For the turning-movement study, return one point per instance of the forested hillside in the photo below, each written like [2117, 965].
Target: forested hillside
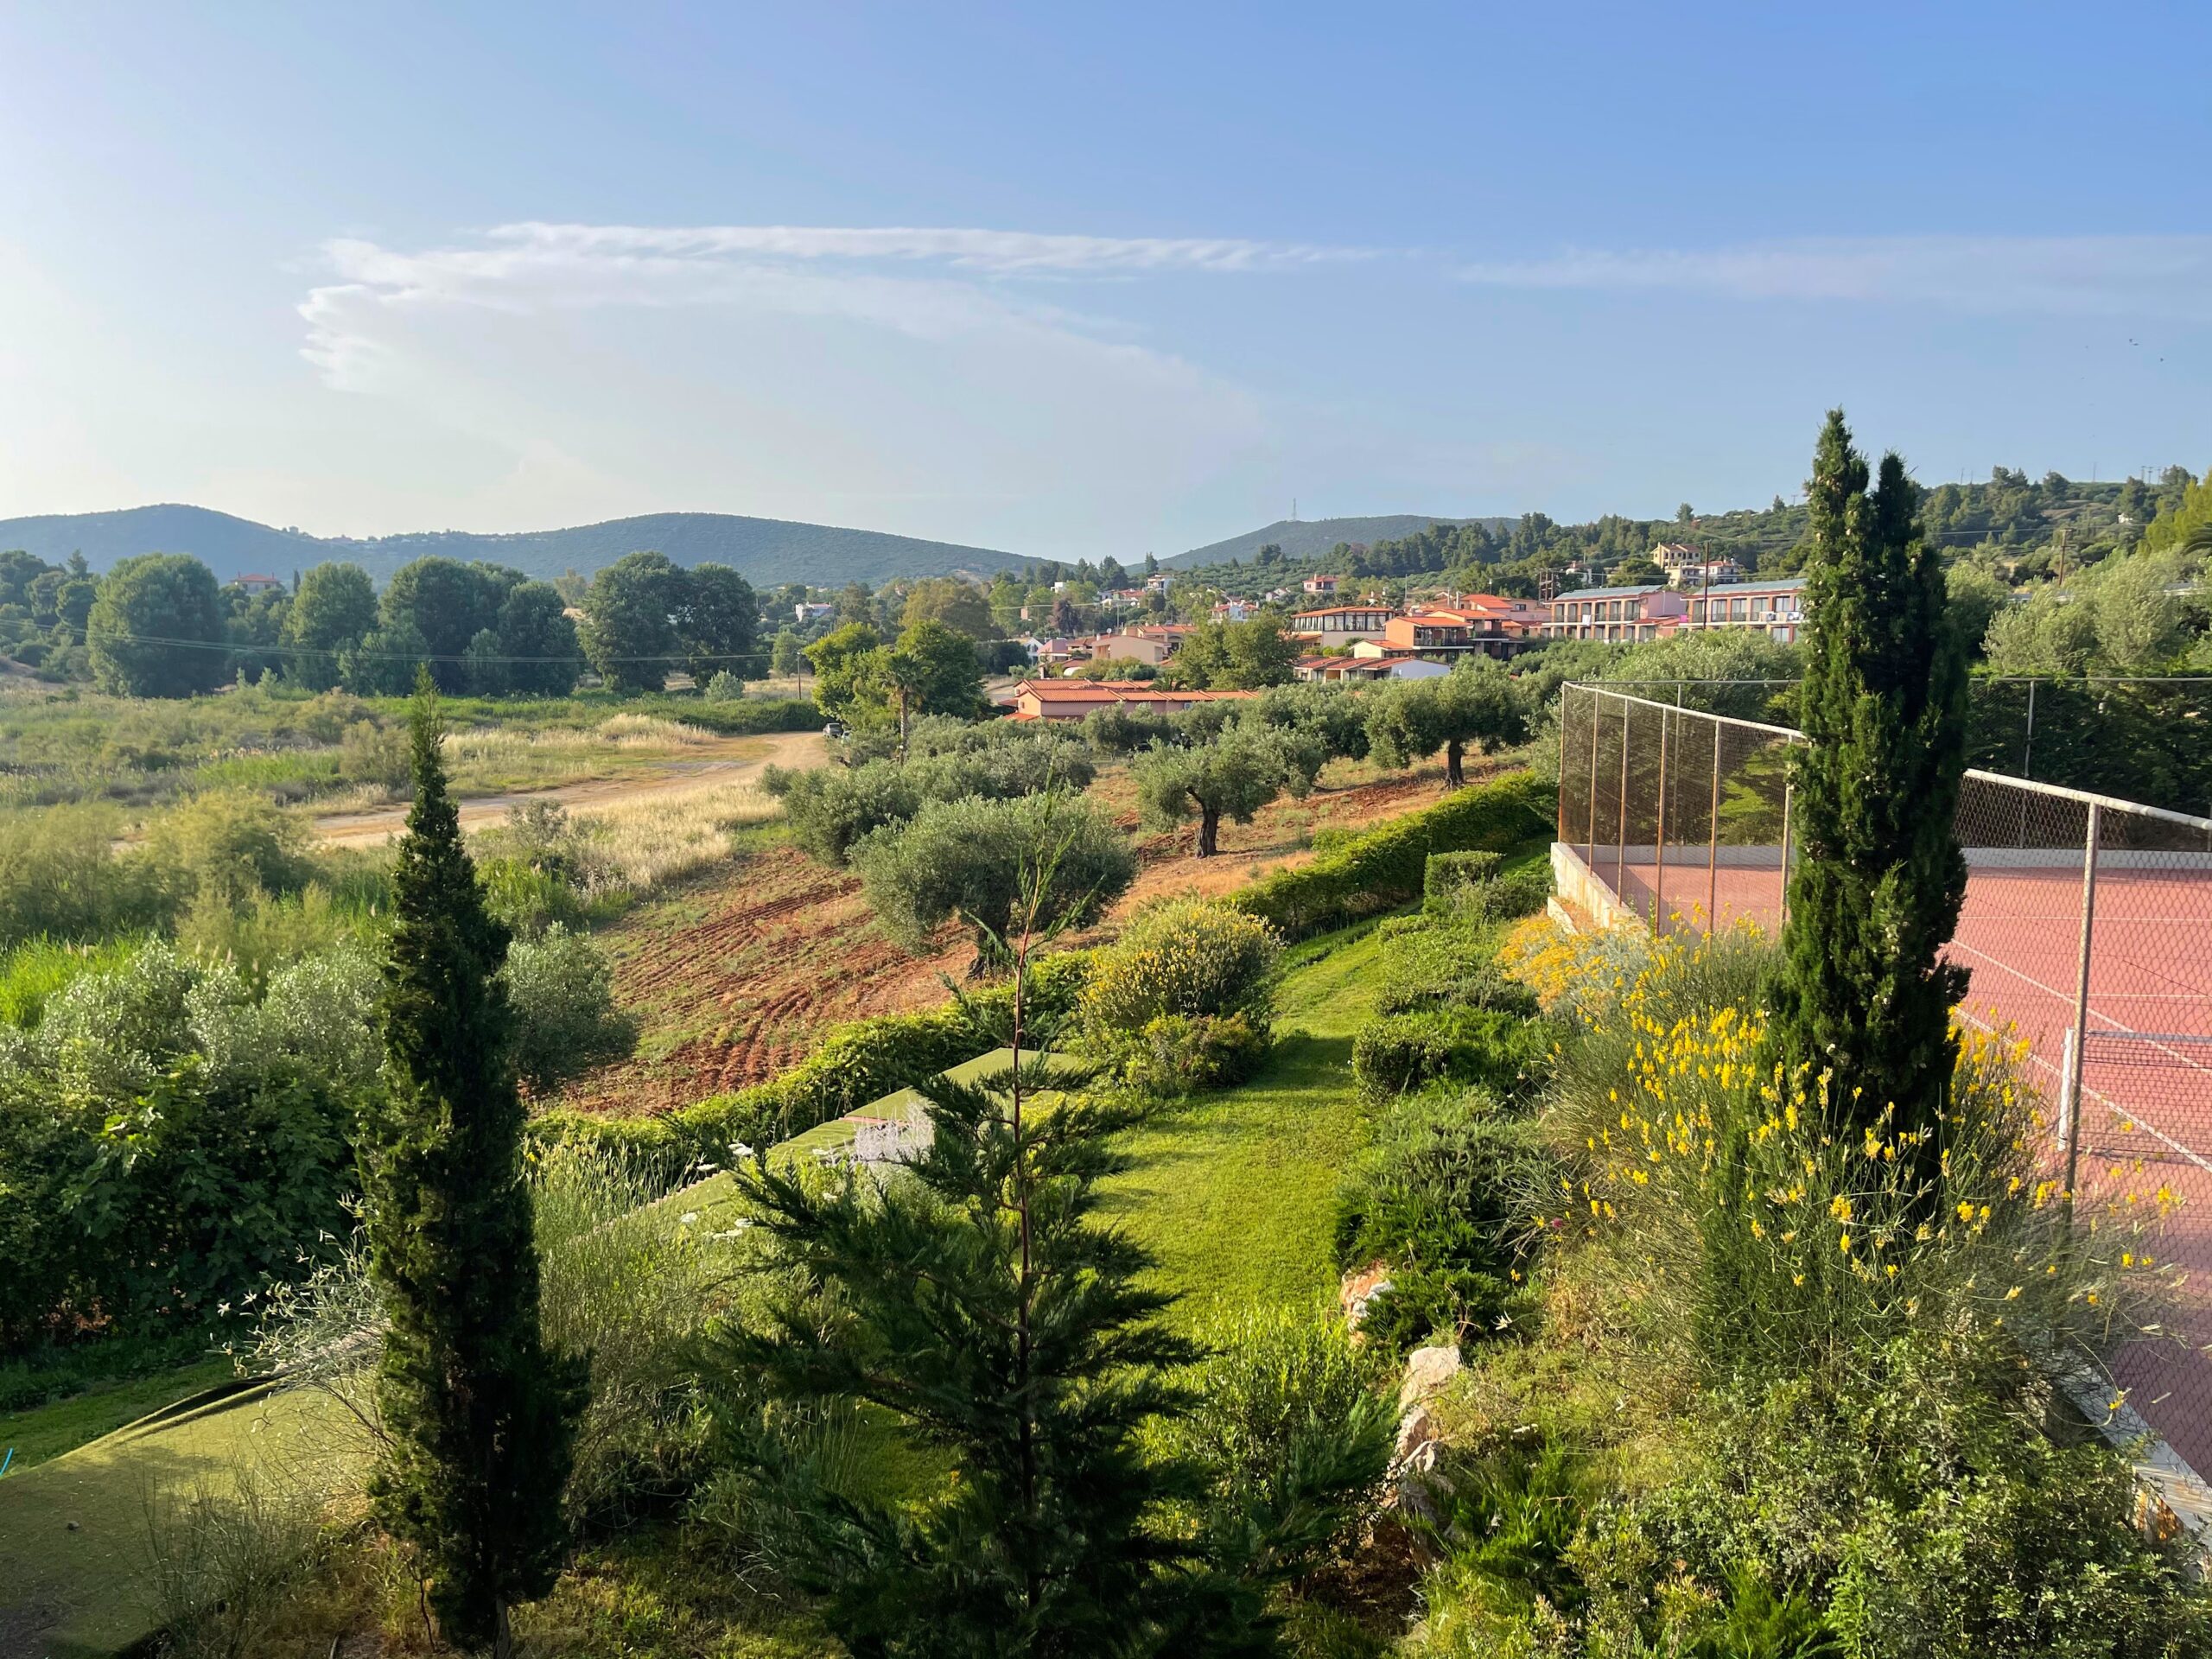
[764, 551]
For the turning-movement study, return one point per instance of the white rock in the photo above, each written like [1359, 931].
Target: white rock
[1427, 1372]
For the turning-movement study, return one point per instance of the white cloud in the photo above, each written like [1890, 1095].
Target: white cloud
[925, 380]
[2103, 276]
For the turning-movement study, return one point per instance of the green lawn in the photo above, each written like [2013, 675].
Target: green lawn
[1234, 1191]
[48, 1430]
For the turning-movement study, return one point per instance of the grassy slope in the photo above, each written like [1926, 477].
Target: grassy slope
[1234, 1191]
[48, 1430]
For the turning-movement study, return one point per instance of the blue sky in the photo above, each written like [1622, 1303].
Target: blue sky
[1084, 281]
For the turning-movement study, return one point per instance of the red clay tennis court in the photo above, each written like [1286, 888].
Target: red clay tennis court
[1678, 817]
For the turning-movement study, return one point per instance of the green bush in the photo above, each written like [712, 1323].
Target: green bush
[753, 718]
[831, 808]
[1175, 1054]
[529, 898]
[561, 991]
[1451, 1194]
[227, 843]
[1446, 962]
[1500, 1051]
[60, 878]
[1922, 1518]
[972, 861]
[1386, 867]
[1448, 875]
[1187, 957]
[1289, 1413]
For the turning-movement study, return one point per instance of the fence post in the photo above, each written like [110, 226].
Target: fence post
[1789, 798]
[1659, 842]
[2070, 1095]
[1620, 841]
[1597, 720]
[1712, 855]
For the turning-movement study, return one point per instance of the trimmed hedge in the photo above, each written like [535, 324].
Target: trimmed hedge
[1499, 1051]
[1448, 873]
[851, 1065]
[1386, 867]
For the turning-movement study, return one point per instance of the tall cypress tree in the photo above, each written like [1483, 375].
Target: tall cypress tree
[479, 1417]
[1875, 893]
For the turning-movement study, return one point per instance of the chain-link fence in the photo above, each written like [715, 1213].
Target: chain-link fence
[2086, 928]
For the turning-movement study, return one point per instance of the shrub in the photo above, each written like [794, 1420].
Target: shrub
[1446, 963]
[1840, 1244]
[1400, 1053]
[965, 859]
[529, 898]
[725, 687]
[374, 755]
[830, 808]
[1451, 1194]
[629, 1283]
[1281, 1397]
[1174, 1053]
[1448, 875]
[754, 716]
[62, 878]
[1922, 1518]
[562, 993]
[1385, 867]
[230, 842]
[1187, 957]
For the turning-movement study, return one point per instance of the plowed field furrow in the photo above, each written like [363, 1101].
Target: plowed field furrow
[735, 975]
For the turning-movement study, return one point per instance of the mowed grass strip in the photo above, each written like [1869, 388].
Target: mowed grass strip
[1235, 1192]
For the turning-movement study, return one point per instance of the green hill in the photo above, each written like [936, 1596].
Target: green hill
[767, 550]
[1306, 538]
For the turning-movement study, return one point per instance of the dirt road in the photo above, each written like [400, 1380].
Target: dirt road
[733, 760]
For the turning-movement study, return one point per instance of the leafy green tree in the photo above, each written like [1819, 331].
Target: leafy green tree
[333, 610]
[386, 662]
[539, 641]
[961, 606]
[1639, 572]
[1976, 596]
[967, 860]
[855, 604]
[483, 665]
[1235, 656]
[478, 1416]
[1233, 777]
[155, 629]
[783, 655]
[630, 628]
[1864, 998]
[930, 670]
[1477, 702]
[844, 661]
[2139, 623]
[717, 623]
[448, 603]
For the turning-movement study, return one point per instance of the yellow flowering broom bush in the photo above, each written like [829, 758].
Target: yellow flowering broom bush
[1749, 1226]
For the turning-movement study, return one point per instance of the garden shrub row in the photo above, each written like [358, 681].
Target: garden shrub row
[1496, 1049]
[851, 1065]
[1365, 875]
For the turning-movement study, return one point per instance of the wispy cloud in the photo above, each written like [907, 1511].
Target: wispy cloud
[932, 283]
[803, 370]
[2103, 276]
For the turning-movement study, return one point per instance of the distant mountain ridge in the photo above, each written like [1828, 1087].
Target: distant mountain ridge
[1304, 539]
[768, 551]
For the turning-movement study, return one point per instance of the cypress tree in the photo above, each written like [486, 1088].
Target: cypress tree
[1874, 894]
[477, 1417]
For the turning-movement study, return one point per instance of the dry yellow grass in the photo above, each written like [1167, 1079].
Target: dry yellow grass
[641, 843]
